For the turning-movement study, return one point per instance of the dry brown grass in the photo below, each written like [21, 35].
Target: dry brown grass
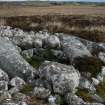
[35, 101]
[84, 21]
[90, 28]
[8, 11]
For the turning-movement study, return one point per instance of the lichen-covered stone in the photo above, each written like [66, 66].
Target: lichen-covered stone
[17, 82]
[62, 78]
[27, 54]
[41, 92]
[73, 47]
[53, 41]
[12, 62]
[3, 76]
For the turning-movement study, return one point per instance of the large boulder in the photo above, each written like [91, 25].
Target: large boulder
[73, 47]
[12, 62]
[60, 77]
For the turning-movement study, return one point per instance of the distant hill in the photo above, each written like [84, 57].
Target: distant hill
[29, 3]
[49, 3]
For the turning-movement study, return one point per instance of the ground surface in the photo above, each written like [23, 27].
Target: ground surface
[6, 11]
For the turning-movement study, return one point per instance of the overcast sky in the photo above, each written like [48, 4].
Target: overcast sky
[62, 0]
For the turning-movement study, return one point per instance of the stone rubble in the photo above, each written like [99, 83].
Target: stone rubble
[55, 77]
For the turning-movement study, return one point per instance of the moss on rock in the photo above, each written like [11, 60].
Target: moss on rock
[100, 89]
[84, 94]
[26, 89]
[35, 61]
